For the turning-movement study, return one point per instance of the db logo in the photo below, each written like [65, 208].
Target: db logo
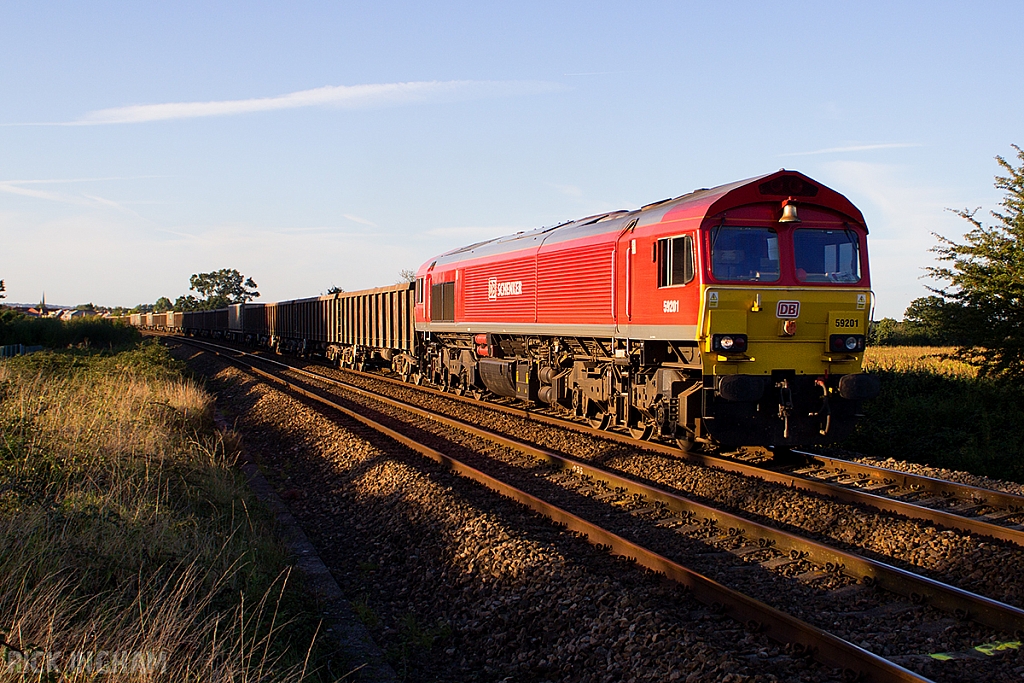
[497, 289]
[788, 309]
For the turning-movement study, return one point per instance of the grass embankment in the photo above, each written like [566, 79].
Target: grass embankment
[937, 411]
[88, 331]
[127, 536]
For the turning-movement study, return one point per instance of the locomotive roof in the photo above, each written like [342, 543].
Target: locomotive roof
[777, 185]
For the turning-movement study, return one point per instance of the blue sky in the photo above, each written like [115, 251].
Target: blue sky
[319, 144]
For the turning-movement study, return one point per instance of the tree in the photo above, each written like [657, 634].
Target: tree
[885, 332]
[162, 305]
[334, 289]
[218, 289]
[2, 290]
[983, 305]
[187, 303]
[406, 275]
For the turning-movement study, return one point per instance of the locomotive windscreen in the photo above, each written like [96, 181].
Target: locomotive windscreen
[826, 255]
[745, 254]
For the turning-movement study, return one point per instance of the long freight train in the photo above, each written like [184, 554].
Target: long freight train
[734, 315]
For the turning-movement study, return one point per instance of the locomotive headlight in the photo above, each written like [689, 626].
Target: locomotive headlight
[844, 342]
[729, 343]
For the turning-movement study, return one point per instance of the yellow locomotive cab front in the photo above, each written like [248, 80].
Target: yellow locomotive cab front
[784, 363]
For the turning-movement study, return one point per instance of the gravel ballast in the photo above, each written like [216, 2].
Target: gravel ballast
[903, 631]
[456, 583]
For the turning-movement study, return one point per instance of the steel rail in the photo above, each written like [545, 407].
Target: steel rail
[919, 589]
[856, 662]
[942, 518]
[919, 482]
[910, 509]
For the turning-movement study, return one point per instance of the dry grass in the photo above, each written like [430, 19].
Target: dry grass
[940, 360]
[128, 537]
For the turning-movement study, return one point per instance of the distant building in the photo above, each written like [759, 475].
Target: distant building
[69, 314]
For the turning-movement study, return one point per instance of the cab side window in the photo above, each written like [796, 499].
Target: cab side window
[675, 261]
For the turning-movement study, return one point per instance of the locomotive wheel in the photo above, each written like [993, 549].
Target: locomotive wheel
[595, 414]
[642, 431]
[578, 402]
[686, 442]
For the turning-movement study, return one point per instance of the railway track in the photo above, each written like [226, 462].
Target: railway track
[947, 504]
[993, 513]
[951, 505]
[754, 544]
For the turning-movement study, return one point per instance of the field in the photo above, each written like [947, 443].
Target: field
[936, 410]
[929, 359]
[132, 549]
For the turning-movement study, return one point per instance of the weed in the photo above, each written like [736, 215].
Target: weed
[415, 641]
[127, 532]
[366, 613]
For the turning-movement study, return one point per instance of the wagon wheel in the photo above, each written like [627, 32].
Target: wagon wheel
[461, 384]
[477, 394]
[417, 379]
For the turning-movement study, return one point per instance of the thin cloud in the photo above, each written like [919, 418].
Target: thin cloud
[12, 188]
[83, 199]
[338, 96]
[357, 219]
[102, 201]
[600, 73]
[853, 148]
[57, 181]
[476, 232]
[568, 190]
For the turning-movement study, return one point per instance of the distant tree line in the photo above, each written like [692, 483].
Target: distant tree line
[215, 289]
[218, 289]
[923, 324]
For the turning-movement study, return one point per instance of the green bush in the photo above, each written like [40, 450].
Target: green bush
[89, 331]
[957, 422]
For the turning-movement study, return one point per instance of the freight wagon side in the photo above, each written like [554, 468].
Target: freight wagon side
[373, 327]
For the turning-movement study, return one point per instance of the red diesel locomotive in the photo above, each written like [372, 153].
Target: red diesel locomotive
[734, 315]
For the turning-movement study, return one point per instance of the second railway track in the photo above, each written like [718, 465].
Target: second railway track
[827, 583]
[948, 504]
